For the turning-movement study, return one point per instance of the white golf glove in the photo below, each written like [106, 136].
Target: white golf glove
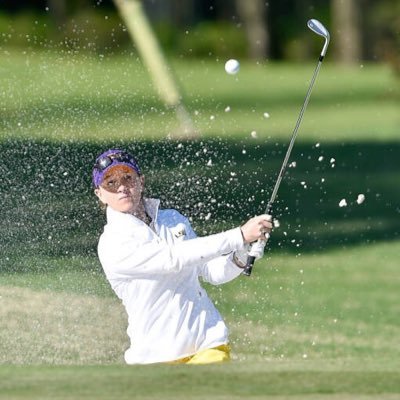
[256, 250]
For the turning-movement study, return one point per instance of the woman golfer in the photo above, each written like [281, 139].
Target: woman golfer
[153, 261]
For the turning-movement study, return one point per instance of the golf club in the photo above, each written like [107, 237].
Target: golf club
[319, 29]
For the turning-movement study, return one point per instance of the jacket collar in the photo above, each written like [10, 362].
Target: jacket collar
[151, 206]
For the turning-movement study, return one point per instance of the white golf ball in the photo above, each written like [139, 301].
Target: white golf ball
[232, 66]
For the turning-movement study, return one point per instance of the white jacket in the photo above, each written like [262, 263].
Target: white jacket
[154, 271]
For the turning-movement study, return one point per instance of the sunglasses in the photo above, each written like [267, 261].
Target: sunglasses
[113, 182]
[105, 161]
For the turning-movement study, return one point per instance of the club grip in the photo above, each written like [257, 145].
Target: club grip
[249, 265]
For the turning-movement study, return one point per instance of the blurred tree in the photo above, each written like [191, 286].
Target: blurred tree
[384, 20]
[346, 22]
[138, 25]
[253, 13]
[58, 11]
[205, 28]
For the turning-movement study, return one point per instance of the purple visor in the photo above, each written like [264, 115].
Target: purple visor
[111, 158]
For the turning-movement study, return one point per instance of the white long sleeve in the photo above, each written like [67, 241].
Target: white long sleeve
[220, 270]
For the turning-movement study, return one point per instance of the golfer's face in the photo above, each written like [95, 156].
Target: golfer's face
[121, 189]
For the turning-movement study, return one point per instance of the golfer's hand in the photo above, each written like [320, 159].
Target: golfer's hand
[256, 228]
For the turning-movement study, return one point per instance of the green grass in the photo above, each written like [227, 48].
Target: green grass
[255, 381]
[71, 97]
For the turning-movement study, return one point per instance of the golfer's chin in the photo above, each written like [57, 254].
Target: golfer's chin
[125, 206]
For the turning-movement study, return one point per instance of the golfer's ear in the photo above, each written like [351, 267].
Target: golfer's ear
[97, 192]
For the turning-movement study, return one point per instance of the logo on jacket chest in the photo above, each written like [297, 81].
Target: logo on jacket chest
[178, 231]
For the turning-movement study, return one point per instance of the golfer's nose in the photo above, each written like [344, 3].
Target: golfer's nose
[122, 188]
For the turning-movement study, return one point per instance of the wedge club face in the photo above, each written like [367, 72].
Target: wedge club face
[320, 30]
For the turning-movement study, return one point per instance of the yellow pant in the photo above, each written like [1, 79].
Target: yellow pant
[217, 354]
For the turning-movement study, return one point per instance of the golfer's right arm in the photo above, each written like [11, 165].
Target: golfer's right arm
[129, 257]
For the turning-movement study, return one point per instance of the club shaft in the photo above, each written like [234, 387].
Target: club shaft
[250, 259]
[292, 140]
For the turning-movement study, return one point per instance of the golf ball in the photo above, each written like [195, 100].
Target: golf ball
[232, 66]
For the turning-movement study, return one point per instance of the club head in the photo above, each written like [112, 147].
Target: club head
[319, 29]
